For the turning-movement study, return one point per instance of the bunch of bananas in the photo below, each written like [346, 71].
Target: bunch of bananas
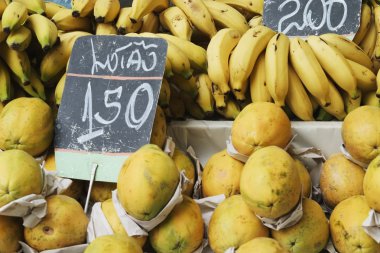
[220, 56]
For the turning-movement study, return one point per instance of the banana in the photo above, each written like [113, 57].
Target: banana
[142, 7]
[336, 107]
[33, 6]
[59, 89]
[226, 16]
[196, 54]
[230, 111]
[365, 78]
[218, 53]
[219, 97]
[105, 29]
[192, 108]
[205, 99]
[5, 83]
[29, 89]
[276, 66]
[14, 16]
[369, 41]
[244, 56]
[297, 98]
[3, 5]
[179, 62]
[106, 11]
[255, 21]
[44, 29]
[66, 22]
[371, 99]
[150, 23]
[55, 61]
[258, 88]
[124, 24]
[349, 49]
[334, 63]
[376, 11]
[313, 102]
[168, 69]
[37, 85]
[324, 116]
[82, 8]
[52, 8]
[164, 98]
[3, 35]
[18, 63]
[309, 70]
[176, 21]
[198, 15]
[351, 104]
[255, 6]
[176, 105]
[187, 86]
[365, 23]
[19, 39]
[378, 84]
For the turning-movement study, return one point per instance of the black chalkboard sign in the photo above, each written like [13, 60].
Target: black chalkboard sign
[312, 17]
[110, 98]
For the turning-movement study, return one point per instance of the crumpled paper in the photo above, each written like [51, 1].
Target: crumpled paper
[230, 250]
[54, 184]
[169, 146]
[285, 221]
[208, 206]
[244, 158]
[330, 247]
[98, 224]
[371, 225]
[349, 157]
[133, 226]
[197, 191]
[72, 249]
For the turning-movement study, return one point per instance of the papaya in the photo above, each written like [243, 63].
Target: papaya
[11, 232]
[101, 191]
[371, 184]
[304, 177]
[114, 244]
[262, 245]
[183, 163]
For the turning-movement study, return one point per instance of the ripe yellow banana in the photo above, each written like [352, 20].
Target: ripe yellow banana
[365, 78]
[106, 11]
[230, 111]
[335, 65]
[351, 104]
[33, 6]
[309, 70]
[54, 62]
[150, 23]
[368, 43]
[218, 53]
[44, 29]
[19, 39]
[244, 56]
[5, 83]
[276, 66]
[192, 108]
[18, 63]
[59, 89]
[186, 86]
[105, 29]
[14, 16]
[365, 23]
[37, 85]
[297, 98]
[219, 97]
[255, 21]
[378, 84]
[176, 21]
[142, 7]
[349, 49]
[336, 108]
[370, 98]
[124, 24]
[258, 88]
[179, 62]
[198, 15]
[52, 8]
[226, 16]
[376, 11]
[164, 98]
[176, 105]
[3, 5]
[255, 6]
[82, 8]
[66, 22]
[196, 54]
[168, 69]
[205, 99]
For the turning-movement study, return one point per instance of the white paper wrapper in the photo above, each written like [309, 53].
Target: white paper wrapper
[135, 226]
[285, 221]
[72, 249]
[330, 247]
[208, 206]
[55, 184]
[197, 191]
[98, 224]
[169, 146]
[349, 157]
[32, 208]
[230, 250]
[371, 225]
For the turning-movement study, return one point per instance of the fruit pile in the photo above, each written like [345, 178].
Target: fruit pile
[220, 58]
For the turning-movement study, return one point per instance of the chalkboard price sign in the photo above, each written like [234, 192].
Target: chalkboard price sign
[312, 17]
[109, 103]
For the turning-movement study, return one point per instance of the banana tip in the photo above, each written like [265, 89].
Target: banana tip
[134, 21]
[46, 48]
[99, 19]
[121, 30]
[6, 29]
[76, 14]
